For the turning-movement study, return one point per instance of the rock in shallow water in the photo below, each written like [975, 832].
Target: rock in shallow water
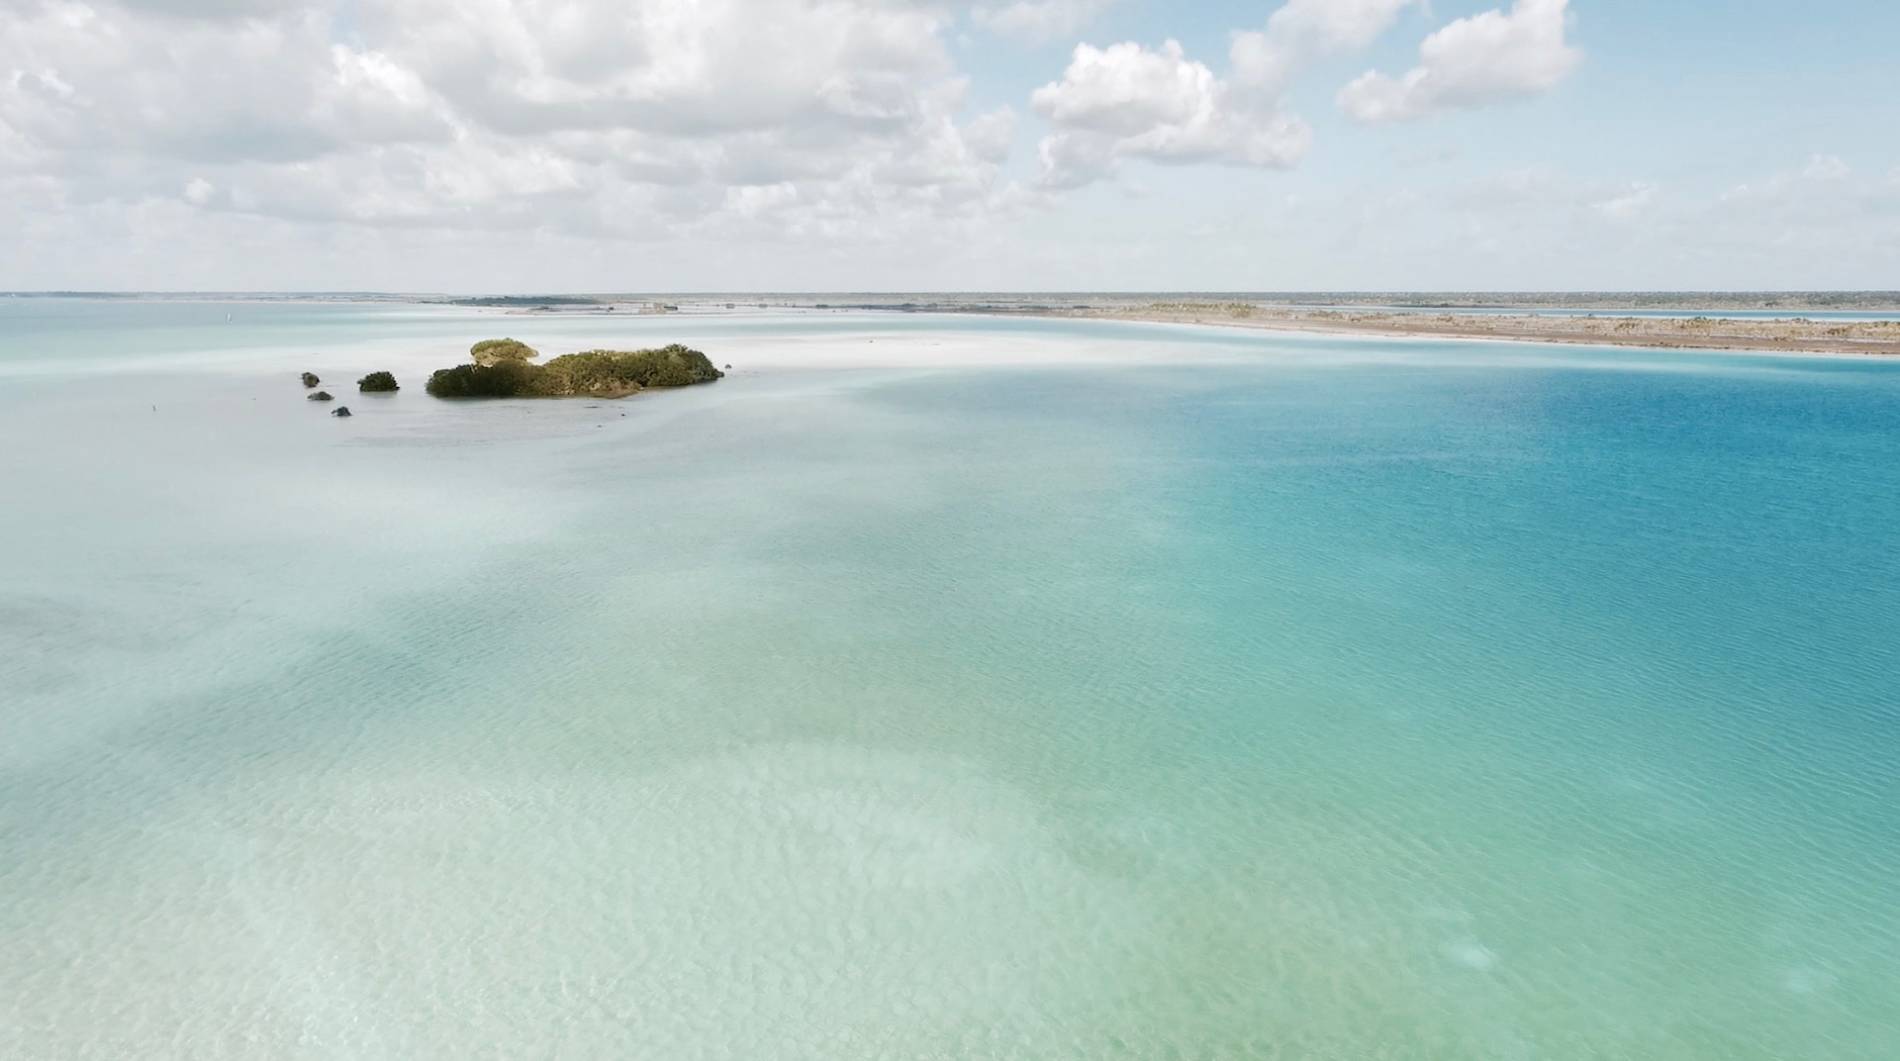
[310, 379]
[320, 396]
[341, 410]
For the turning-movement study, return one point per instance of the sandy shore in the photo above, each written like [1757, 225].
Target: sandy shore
[1588, 323]
[1695, 333]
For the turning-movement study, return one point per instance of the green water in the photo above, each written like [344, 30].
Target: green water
[942, 687]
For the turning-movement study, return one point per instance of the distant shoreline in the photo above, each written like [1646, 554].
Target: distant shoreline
[1643, 321]
[1759, 322]
[1758, 335]
[1712, 303]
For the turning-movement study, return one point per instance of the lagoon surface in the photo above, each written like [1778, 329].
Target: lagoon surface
[941, 687]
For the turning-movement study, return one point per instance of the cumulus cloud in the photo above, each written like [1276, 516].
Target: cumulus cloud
[1130, 101]
[1486, 58]
[1038, 20]
[585, 116]
[1304, 29]
[1127, 101]
[104, 80]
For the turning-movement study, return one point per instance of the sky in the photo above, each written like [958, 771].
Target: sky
[912, 145]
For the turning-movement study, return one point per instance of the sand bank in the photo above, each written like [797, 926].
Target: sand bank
[1677, 333]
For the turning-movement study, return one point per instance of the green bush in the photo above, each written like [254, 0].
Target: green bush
[593, 373]
[495, 351]
[377, 381]
[505, 379]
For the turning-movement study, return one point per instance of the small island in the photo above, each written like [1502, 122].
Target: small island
[377, 381]
[504, 368]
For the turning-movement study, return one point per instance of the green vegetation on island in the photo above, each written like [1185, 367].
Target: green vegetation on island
[490, 352]
[503, 368]
[377, 381]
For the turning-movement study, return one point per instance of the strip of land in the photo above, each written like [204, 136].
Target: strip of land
[1796, 335]
[1766, 322]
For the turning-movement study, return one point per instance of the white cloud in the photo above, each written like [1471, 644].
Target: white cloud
[1823, 175]
[1826, 168]
[1474, 61]
[582, 116]
[1820, 215]
[1303, 29]
[1038, 20]
[1551, 195]
[751, 200]
[1628, 203]
[108, 79]
[522, 143]
[1127, 101]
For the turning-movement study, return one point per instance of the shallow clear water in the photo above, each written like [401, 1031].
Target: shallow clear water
[1165, 693]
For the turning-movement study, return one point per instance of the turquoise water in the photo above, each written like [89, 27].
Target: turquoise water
[942, 687]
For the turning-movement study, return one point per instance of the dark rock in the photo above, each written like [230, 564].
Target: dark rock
[310, 379]
[320, 396]
[341, 410]
[377, 381]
